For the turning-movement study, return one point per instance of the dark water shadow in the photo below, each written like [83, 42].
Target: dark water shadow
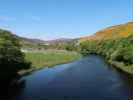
[11, 91]
[126, 78]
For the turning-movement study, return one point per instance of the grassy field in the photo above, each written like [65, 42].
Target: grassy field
[50, 58]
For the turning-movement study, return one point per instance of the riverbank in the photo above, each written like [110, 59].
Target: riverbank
[120, 65]
[49, 58]
[117, 52]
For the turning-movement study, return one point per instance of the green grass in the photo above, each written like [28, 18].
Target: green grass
[50, 58]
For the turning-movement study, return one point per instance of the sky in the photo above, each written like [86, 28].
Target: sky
[52, 19]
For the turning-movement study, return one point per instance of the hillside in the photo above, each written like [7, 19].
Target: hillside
[113, 32]
[115, 45]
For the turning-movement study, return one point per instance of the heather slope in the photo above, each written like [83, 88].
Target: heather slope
[113, 32]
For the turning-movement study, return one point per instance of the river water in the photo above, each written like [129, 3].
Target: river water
[90, 78]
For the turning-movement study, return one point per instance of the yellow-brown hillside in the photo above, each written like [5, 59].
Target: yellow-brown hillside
[114, 32]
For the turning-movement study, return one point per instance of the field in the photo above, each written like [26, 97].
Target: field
[49, 58]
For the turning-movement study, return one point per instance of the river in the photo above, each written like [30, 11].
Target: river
[89, 78]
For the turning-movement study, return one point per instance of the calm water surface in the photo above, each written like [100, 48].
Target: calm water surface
[87, 79]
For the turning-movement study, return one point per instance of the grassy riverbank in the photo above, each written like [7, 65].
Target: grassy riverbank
[49, 58]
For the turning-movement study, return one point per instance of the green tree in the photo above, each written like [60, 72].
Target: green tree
[11, 58]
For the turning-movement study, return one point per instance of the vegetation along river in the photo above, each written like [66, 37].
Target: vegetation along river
[89, 78]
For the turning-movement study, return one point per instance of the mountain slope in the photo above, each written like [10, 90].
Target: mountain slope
[113, 32]
[35, 43]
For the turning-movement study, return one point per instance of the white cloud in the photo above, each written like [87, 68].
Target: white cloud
[6, 18]
[35, 18]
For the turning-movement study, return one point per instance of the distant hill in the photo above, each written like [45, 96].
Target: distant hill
[38, 41]
[113, 32]
[24, 40]
[61, 40]
[29, 42]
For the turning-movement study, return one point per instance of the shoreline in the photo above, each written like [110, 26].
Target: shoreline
[62, 58]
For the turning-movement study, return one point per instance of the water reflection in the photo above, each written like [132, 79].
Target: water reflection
[87, 79]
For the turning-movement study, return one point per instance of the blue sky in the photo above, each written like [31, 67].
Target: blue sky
[51, 19]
